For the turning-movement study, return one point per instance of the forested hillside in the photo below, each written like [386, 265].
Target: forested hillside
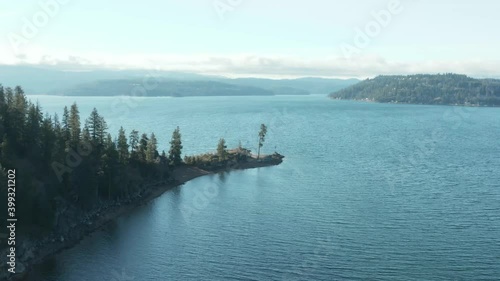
[173, 88]
[72, 160]
[444, 89]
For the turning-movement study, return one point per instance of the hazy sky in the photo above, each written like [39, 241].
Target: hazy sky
[274, 38]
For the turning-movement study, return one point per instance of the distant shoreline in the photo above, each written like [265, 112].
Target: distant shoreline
[429, 89]
[181, 175]
[174, 96]
[405, 103]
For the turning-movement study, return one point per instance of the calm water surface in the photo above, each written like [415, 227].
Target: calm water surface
[367, 191]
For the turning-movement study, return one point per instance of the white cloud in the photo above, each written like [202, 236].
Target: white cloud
[274, 66]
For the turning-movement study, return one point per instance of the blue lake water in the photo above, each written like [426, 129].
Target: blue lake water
[366, 192]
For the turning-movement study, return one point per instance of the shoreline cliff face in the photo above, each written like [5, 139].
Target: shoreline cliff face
[74, 225]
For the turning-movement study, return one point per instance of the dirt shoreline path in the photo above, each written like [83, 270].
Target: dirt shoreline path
[181, 175]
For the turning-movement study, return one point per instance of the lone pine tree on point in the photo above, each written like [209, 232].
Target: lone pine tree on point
[262, 135]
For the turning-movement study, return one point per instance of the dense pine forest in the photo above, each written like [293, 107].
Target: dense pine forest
[441, 89]
[65, 161]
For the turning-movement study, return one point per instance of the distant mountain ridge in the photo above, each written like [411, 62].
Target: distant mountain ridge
[440, 89]
[173, 88]
[52, 81]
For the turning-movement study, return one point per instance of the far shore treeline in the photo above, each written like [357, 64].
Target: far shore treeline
[65, 161]
[440, 89]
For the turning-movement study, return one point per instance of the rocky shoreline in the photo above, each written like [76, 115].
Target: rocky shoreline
[70, 233]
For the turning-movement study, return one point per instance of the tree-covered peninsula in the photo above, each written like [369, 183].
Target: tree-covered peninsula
[440, 89]
[72, 176]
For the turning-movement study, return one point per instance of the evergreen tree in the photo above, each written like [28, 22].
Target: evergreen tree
[60, 139]
[7, 151]
[33, 124]
[86, 138]
[175, 151]
[163, 158]
[109, 165]
[9, 105]
[143, 146]
[97, 128]
[109, 144]
[9, 97]
[134, 144]
[66, 131]
[2, 97]
[17, 112]
[122, 146]
[151, 152]
[57, 125]
[48, 139]
[262, 136]
[3, 107]
[74, 125]
[221, 149]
